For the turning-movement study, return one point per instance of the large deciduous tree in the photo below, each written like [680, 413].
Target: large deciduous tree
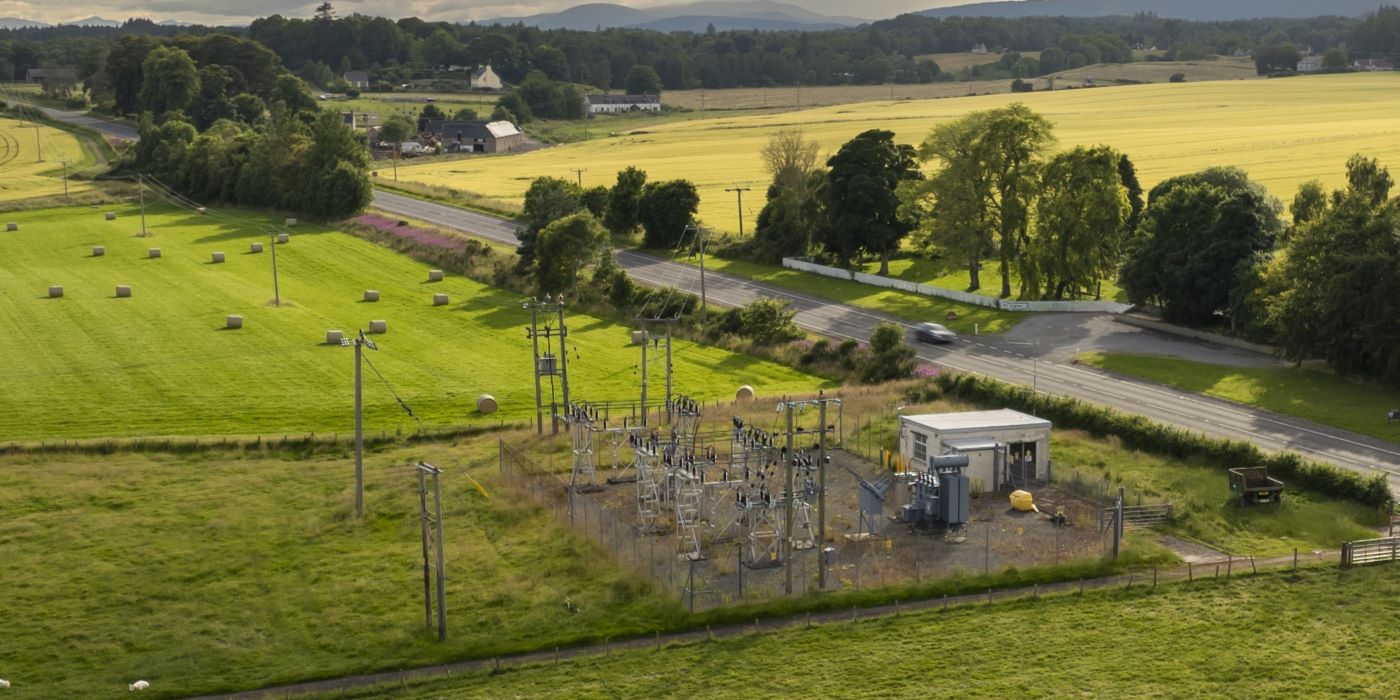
[862, 201]
[547, 200]
[170, 80]
[1338, 280]
[987, 185]
[642, 80]
[664, 210]
[1201, 235]
[1079, 223]
[621, 217]
[564, 248]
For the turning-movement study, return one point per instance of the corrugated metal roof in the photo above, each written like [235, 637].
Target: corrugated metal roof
[500, 129]
[976, 420]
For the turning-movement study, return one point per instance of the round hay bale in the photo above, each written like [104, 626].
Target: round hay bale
[434, 275]
[371, 295]
[202, 211]
[254, 247]
[55, 291]
[123, 291]
[439, 300]
[11, 226]
[639, 337]
[745, 393]
[334, 337]
[153, 253]
[378, 326]
[291, 221]
[110, 216]
[217, 257]
[283, 238]
[486, 403]
[233, 322]
[98, 251]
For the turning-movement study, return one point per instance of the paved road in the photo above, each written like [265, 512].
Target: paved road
[103, 126]
[1009, 356]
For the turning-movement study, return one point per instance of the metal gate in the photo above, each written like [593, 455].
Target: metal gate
[1370, 551]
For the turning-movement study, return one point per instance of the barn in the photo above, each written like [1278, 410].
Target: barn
[474, 136]
[1005, 448]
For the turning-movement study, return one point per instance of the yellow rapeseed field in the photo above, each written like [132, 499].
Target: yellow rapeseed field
[30, 161]
[1282, 132]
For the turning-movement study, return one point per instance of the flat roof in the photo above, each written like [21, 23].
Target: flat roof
[972, 421]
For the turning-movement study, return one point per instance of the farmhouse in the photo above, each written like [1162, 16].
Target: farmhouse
[474, 136]
[44, 76]
[1310, 64]
[616, 104]
[357, 79]
[483, 78]
[1005, 448]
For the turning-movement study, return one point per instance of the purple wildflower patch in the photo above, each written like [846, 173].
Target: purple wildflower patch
[417, 235]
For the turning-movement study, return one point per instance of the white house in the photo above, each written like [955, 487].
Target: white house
[615, 104]
[357, 79]
[483, 78]
[980, 49]
[1310, 64]
[1004, 447]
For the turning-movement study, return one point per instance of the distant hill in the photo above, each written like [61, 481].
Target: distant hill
[17, 23]
[1202, 10]
[694, 17]
[93, 22]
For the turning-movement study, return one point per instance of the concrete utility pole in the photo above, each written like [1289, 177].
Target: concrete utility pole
[740, 192]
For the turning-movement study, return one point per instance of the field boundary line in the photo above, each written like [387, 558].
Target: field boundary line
[1209, 571]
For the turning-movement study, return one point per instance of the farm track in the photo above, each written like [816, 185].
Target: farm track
[9, 147]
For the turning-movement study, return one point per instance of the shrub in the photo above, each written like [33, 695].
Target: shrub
[1177, 78]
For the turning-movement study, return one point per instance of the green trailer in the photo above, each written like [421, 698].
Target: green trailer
[1254, 486]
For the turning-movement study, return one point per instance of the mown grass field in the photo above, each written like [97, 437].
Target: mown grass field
[1282, 132]
[30, 161]
[942, 273]
[1313, 634]
[1306, 393]
[894, 302]
[205, 572]
[161, 363]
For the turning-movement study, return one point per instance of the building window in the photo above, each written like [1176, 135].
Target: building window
[920, 447]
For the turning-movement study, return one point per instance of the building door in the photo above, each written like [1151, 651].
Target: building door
[1020, 462]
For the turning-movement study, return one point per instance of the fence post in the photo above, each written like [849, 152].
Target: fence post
[1295, 558]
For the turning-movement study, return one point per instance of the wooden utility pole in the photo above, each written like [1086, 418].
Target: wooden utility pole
[789, 500]
[276, 290]
[435, 550]
[740, 192]
[821, 498]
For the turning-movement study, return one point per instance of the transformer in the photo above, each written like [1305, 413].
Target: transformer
[940, 495]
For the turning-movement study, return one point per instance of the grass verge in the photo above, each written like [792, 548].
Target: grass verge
[1315, 395]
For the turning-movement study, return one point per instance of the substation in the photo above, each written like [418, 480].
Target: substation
[722, 501]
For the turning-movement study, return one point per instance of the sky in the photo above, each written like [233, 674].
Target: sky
[224, 12]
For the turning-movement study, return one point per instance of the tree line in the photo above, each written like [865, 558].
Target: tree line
[895, 50]
[220, 119]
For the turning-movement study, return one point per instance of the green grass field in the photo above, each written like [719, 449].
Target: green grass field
[30, 160]
[1282, 132]
[206, 572]
[1306, 393]
[161, 363]
[906, 305]
[1314, 634]
[946, 275]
